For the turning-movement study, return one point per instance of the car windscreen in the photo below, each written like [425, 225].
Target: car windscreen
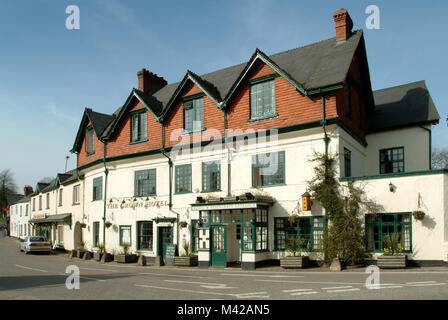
[35, 239]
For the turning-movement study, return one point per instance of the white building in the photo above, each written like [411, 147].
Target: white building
[57, 210]
[136, 189]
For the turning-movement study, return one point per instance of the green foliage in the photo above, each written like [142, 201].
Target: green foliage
[125, 249]
[101, 248]
[293, 246]
[344, 233]
[393, 245]
[186, 247]
[293, 219]
[82, 245]
[418, 215]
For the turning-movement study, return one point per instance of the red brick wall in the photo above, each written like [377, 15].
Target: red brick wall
[353, 121]
[98, 146]
[119, 142]
[213, 118]
[291, 106]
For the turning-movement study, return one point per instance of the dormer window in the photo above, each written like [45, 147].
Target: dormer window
[90, 149]
[262, 98]
[138, 126]
[193, 114]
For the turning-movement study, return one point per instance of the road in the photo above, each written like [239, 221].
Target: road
[36, 276]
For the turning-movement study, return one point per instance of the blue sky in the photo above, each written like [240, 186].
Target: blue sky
[49, 74]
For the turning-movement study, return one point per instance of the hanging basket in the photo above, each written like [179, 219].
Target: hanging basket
[183, 224]
[108, 224]
[418, 215]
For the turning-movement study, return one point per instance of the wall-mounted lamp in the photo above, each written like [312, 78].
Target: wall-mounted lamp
[306, 201]
[391, 187]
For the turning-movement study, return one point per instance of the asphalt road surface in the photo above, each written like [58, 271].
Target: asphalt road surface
[40, 276]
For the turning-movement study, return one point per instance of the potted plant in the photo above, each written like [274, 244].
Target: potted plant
[199, 200]
[125, 256]
[99, 253]
[297, 260]
[393, 256]
[81, 248]
[418, 215]
[187, 259]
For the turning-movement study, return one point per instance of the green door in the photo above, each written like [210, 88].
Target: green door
[165, 238]
[219, 250]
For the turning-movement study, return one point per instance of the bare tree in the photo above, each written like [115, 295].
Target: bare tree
[46, 179]
[7, 186]
[439, 158]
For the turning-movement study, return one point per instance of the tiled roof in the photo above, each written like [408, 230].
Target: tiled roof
[400, 106]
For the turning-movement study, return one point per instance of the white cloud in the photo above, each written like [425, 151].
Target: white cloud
[58, 113]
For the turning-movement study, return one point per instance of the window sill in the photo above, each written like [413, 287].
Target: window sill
[270, 185]
[95, 200]
[186, 132]
[183, 192]
[212, 190]
[145, 195]
[137, 142]
[272, 116]
[90, 154]
[76, 203]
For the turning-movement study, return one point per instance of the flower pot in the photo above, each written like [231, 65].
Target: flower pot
[392, 262]
[186, 261]
[97, 256]
[80, 253]
[125, 258]
[263, 198]
[200, 200]
[294, 262]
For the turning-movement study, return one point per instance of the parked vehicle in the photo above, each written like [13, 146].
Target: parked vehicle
[35, 244]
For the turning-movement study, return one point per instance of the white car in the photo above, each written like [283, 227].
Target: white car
[35, 244]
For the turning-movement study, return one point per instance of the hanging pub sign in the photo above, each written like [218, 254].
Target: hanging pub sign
[306, 201]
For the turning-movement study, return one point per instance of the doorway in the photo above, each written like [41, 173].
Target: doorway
[219, 246]
[165, 238]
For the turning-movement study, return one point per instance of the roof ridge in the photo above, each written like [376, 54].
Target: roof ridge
[400, 85]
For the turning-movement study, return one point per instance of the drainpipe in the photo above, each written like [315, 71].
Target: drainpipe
[170, 201]
[229, 167]
[323, 122]
[430, 145]
[106, 172]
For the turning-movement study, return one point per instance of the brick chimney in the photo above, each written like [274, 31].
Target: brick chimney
[344, 24]
[148, 81]
[27, 190]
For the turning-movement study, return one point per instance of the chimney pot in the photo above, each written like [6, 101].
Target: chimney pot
[148, 81]
[27, 190]
[344, 24]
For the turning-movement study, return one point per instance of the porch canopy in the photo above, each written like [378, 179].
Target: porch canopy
[64, 217]
[246, 202]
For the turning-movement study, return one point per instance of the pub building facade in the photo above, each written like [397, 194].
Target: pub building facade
[221, 160]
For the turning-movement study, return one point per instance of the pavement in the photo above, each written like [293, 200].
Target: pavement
[43, 277]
